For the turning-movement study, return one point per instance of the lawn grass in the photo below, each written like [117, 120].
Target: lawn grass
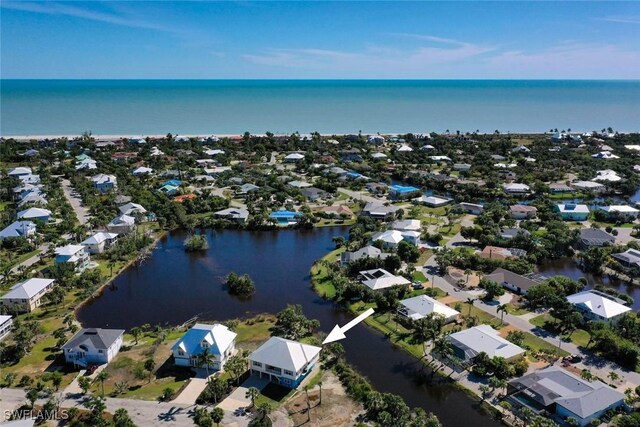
[22, 258]
[334, 222]
[579, 337]
[424, 256]
[539, 345]
[320, 275]
[154, 390]
[419, 276]
[515, 310]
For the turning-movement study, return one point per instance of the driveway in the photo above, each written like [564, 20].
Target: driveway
[191, 392]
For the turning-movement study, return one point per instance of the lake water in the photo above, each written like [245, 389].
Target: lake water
[45, 107]
[568, 267]
[173, 286]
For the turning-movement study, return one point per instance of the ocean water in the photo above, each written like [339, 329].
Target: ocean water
[134, 107]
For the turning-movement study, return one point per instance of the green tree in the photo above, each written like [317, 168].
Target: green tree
[252, 393]
[205, 359]
[84, 383]
[236, 365]
[136, 332]
[291, 323]
[101, 378]
[217, 414]
[121, 418]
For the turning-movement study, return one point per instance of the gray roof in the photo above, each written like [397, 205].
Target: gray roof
[379, 209]
[312, 192]
[509, 232]
[555, 385]
[595, 237]
[501, 276]
[98, 338]
[367, 251]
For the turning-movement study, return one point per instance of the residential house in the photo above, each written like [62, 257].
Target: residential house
[625, 212]
[598, 306]
[18, 229]
[286, 217]
[587, 186]
[389, 238]
[440, 159]
[375, 139]
[122, 224]
[25, 296]
[607, 175]
[245, 189]
[104, 183]
[35, 214]
[462, 167]
[379, 278]
[556, 391]
[404, 148]
[497, 252]
[422, 306]
[378, 156]
[6, 324]
[366, 252]
[293, 158]
[509, 233]
[337, 211]
[467, 344]
[402, 192]
[313, 194]
[29, 179]
[521, 212]
[283, 361]
[142, 170]
[605, 155]
[515, 188]
[169, 190]
[470, 208]
[432, 201]
[217, 340]
[73, 254]
[86, 164]
[629, 260]
[93, 346]
[557, 188]
[595, 237]
[407, 225]
[100, 242]
[132, 209]
[20, 171]
[379, 211]
[33, 198]
[239, 215]
[573, 212]
[514, 282]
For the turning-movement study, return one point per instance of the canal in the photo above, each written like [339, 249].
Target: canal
[172, 286]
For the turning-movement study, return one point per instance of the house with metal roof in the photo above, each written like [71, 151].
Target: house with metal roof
[598, 306]
[103, 182]
[379, 278]
[401, 192]
[25, 296]
[366, 252]
[572, 211]
[34, 214]
[216, 340]
[73, 254]
[516, 188]
[100, 242]
[563, 394]
[20, 171]
[621, 211]
[470, 208]
[132, 209]
[422, 306]
[379, 211]
[521, 212]
[122, 224]
[233, 214]
[18, 229]
[93, 346]
[293, 157]
[467, 344]
[629, 259]
[283, 361]
[433, 201]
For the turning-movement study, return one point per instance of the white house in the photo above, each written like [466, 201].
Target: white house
[216, 339]
[433, 201]
[622, 210]
[86, 164]
[379, 278]
[293, 157]
[93, 346]
[122, 224]
[467, 344]
[605, 155]
[573, 212]
[132, 209]
[20, 171]
[34, 214]
[100, 242]
[595, 305]
[73, 254]
[404, 148]
[587, 186]
[142, 170]
[24, 297]
[284, 361]
[440, 158]
[521, 212]
[515, 188]
[233, 214]
[18, 229]
[421, 306]
[6, 324]
[607, 175]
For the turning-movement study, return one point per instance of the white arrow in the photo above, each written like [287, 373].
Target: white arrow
[338, 332]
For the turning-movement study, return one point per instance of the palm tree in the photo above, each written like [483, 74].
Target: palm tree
[468, 273]
[101, 378]
[502, 309]
[306, 392]
[613, 376]
[470, 301]
[205, 359]
[252, 393]
[320, 385]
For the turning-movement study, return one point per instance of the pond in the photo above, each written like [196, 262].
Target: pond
[172, 286]
[569, 267]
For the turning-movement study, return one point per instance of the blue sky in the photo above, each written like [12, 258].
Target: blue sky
[397, 40]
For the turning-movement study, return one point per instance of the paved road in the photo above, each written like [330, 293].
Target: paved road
[82, 213]
[624, 235]
[597, 365]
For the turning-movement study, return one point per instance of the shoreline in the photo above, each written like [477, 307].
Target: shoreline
[117, 137]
